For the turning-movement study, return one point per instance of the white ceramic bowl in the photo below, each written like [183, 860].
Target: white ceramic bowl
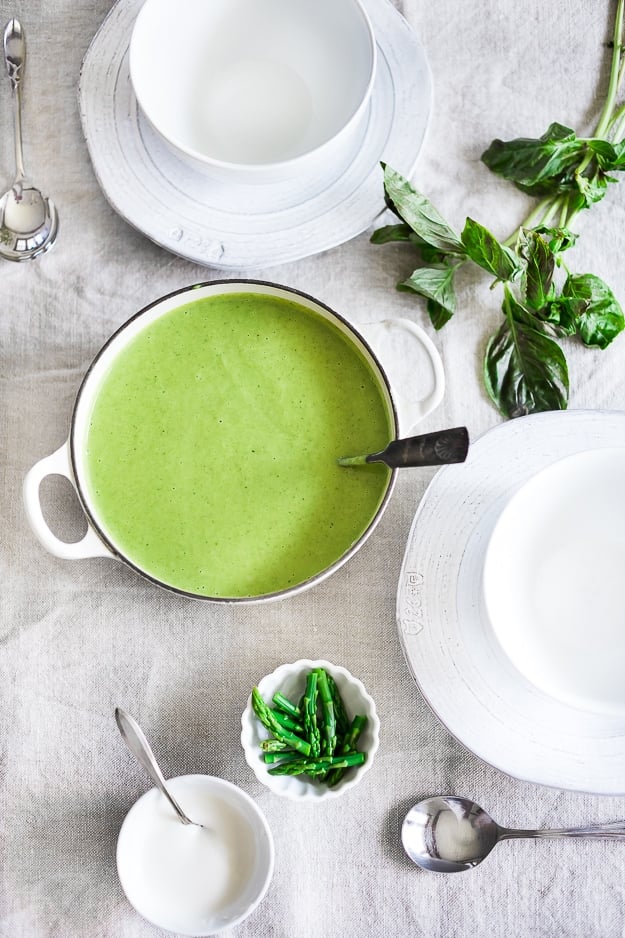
[193, 881]
[553, 580]
[252, 91]
[290, 679]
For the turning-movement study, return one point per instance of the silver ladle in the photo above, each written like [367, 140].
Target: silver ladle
[29, 222]
[134, 738]
[448, 834]
[430, 449]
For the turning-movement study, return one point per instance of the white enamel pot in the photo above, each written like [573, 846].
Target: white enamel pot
[409, 345]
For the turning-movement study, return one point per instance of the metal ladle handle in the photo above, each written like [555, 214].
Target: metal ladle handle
[134, 738]
[430, 449]
[15, 59]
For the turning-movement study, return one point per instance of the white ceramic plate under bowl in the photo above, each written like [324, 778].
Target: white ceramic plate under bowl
[236, 227]
[473, 685]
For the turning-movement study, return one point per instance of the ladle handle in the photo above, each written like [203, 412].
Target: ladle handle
[15, 59]
[134, 738]
[430, 449]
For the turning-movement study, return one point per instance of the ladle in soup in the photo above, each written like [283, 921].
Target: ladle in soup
[429, 449]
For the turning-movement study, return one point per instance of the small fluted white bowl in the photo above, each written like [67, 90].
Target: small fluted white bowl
[290, 679]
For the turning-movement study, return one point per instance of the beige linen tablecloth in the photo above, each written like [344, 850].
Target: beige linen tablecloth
[79, 638]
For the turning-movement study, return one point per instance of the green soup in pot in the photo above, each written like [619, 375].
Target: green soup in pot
[212, 446]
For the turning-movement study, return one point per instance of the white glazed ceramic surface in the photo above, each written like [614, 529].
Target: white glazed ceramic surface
[450, 647]
[290, 679]
[70, 459]
[260, 91]
[158, 900]
[554, 580]
[248, 227]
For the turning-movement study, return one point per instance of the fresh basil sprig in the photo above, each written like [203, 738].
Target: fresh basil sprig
[525, 369]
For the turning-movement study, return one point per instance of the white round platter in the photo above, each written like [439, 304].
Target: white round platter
[449, 645]
[234, 226]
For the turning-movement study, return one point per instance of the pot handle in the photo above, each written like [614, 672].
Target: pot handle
[409, 411]
[57, 464]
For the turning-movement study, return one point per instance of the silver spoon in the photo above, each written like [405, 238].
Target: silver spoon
[448, 834]
[29, 222]
[429, 449]
[139, 746]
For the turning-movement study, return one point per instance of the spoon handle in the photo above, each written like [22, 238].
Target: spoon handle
[139, 746]
[15, 59]
[611, 830]
[429, 449]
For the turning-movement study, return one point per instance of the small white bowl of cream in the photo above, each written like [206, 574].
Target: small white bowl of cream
[195, 880]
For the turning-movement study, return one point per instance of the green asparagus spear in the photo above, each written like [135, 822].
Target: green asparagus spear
[348, 745]
[342, 721]
[267, 718]
[310, 714]
[273, 745]
[288, 755]
[288, 722]
[318, 766]
[296, 767]
[283, 703]
[328, 742]
[358, 724]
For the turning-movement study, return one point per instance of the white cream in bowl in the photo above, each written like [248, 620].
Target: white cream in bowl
[193, 880]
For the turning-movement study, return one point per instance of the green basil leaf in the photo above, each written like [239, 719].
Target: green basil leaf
[539, 267]
[439, 315]
[619, 156]
[541, 165]
[592, 189]
[559, 315]
[594, 308]
[390, 204]
[433, 256]
[419, 213]
[404, 233]
[603, 151]
[435, 283]
[525, 371]
[485, 250]
[559, 239]
[519, 313]
[390, 233]
[609, 156]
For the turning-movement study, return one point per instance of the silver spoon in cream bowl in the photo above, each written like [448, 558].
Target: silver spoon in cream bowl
[135, 739]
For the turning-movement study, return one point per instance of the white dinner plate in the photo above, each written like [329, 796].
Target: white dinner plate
[460, 667]
[233, 226]
[554, 583]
